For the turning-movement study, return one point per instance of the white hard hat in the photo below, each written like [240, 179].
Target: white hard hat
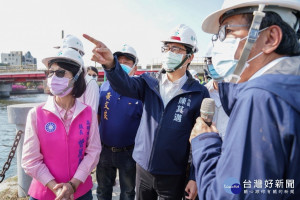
[193, 72]
[183, 34]
[65, 54]
[128, 51]
[71, 41]
[282, 7]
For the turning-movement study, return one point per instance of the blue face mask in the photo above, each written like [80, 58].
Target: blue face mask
[223, 61]
[223, 58]
[126, 68]
[219, 76]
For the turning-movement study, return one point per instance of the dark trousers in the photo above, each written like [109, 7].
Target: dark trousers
[151, 187]
[106, 174]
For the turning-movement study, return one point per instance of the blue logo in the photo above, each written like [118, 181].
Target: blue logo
[232, 186]
[50, 127]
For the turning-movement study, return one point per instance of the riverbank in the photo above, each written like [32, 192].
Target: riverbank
[28, 91]
[9, 189]
[8, 131]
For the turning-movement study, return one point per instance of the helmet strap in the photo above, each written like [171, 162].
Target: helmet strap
[72, 81]
[252, 37]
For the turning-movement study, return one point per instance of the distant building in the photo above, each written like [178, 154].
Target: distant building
[12, 58]
[28, 59]
[16, 60]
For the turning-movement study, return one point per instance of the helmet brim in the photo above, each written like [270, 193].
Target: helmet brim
[127, 55]
[211, 22]
[46, 61]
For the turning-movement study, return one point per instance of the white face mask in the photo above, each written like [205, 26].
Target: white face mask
[171, 60]
[230, 75]
[88, 78]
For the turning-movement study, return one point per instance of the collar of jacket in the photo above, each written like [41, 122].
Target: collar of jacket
[153, 78]
[50, 106]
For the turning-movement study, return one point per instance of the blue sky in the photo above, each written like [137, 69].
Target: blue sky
[36, 25]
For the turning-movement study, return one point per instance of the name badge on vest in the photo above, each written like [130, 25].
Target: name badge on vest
[50, 127]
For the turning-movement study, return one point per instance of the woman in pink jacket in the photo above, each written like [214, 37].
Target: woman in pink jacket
[62, 141]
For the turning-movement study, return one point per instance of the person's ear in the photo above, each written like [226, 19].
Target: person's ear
[133, 70]
[190, 57]
[272, 38]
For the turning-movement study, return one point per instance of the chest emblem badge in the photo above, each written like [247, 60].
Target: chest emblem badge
[50, 127]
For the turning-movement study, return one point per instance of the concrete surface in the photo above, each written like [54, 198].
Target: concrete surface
[9, 189]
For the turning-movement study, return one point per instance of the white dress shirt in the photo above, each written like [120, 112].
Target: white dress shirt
[91, 95]
[168, 89]
[266, 67]
[220, 117]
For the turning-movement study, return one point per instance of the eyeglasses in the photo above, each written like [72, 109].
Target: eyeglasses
[173, 49]
[223, 31]
[94, 75]
[58, 73]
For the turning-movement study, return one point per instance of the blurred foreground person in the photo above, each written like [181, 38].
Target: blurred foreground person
[255, 45]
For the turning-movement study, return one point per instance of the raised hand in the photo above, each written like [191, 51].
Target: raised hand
[102, 54]
[201, 127]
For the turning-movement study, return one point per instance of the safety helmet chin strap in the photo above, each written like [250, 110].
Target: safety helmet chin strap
[72, 81]
[182, 62]
[252, 37]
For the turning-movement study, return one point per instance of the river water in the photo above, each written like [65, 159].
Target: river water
[8, 131]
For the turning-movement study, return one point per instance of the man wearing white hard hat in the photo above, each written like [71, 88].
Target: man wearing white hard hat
[62, 143]
[127, 56]
[171, 101]
[119, 120]
[256, 45]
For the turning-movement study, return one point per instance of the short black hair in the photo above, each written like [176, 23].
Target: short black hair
[79, 85]
[289, 44]
[93, 69]
[189, 50]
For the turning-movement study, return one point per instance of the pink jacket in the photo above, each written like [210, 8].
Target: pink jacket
[52, 153]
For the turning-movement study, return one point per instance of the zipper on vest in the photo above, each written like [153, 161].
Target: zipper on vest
[67, 146]
[67, 141]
